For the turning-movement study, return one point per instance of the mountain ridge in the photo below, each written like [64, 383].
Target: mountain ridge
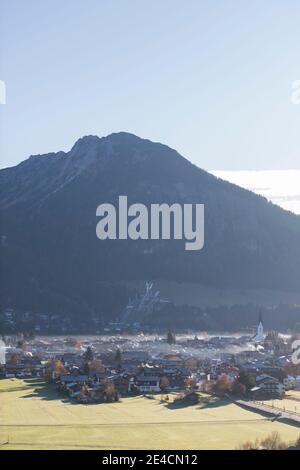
[48, 221]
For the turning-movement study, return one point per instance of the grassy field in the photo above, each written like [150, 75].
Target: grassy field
[291, 402]
[33, 416]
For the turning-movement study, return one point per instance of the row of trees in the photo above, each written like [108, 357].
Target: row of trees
[240, 387]
[107, 394]
[89, 355]
[271, 442]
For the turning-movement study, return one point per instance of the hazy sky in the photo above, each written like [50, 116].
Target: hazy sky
[210, 78]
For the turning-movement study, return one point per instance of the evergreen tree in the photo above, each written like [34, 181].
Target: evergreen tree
[171, 338]
[118, 356]
[246, 379]
[88, 355]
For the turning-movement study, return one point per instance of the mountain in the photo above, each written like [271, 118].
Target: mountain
[51, 259]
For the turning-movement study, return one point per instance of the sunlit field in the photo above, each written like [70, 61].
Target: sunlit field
[33, 416]
[291, 402]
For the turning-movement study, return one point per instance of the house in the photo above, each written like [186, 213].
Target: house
[268, 387]
[77, 379]
[18, 370]
[72, 359]
[297, 384]
[289, 382]
[101, 376]
[147, 383]
[191, 363]
[135, 356]
[172, 360]
[188, 399]
[259, 368]
[122, 383]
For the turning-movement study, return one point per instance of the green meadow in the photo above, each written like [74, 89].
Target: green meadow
[34, 416]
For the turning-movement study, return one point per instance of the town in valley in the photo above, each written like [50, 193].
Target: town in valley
[179, 371]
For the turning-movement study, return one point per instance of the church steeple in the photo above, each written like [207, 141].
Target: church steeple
[259, 337]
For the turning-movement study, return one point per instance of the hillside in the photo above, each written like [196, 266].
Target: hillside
[53, 261]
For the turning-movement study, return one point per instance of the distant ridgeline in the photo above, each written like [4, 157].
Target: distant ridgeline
[53, 264]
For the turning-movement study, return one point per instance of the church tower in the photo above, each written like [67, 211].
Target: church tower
[259, 337]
